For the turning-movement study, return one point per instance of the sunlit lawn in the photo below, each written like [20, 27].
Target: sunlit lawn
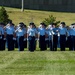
[37, 63]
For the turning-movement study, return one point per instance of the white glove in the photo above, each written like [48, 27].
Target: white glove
[36, 39]
[27, 38]
[14, 38]
[52, 32]
[24, 39]
[0, 37]
[4, 39]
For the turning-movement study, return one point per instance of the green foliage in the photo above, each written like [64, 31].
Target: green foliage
[50, 20]
[3, 15]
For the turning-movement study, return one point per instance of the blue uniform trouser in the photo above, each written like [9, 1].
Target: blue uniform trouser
[70, 38]
[10, 42]
[0, 42]
[71, 42]
[47, 44]
[31, 43]
[3, 43]
[74, 42]
[25, 44]
[50, 45]
[62, 42]
[55, 42]
[42, 42]
[20, 40]
[58, 45]
[16, 43]
[50, 42]
[35, 44]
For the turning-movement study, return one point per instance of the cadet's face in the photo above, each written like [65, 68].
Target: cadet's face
[43, 26]
[31, 26]
[63, 25]
[54, 26]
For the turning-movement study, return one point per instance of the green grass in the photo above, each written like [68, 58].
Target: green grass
[38, 16]
[37, 63]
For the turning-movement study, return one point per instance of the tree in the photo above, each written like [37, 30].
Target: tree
[4, 16]
[50, 20]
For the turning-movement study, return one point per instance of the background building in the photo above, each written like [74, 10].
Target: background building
[52, 5]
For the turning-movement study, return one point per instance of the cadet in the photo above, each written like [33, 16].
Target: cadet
[35, 28]
[42, 34]
[63, 32]
[47, 38]
[31, 35]
[9, 29]
[0, 37]
[50, 36]
[25, 36]
[20, 36]
[3, 37]
[55, 37]
[72, 37]
[15, 41]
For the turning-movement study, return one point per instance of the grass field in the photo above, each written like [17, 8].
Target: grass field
[38, 16]
[37, 63]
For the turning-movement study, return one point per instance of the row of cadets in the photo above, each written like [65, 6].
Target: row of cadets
[20, 36]
[31, 35]
[10, 32]
[41, 35]
[2, 37]
[71, 37]
[63, 33]
[57, 35]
